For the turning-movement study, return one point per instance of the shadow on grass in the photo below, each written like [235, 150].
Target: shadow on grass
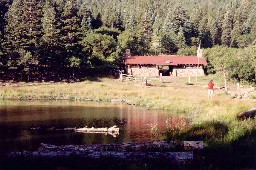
[218, 154]
[207, 131]
[238, 154]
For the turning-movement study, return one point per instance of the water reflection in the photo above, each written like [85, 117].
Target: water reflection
[24, 125]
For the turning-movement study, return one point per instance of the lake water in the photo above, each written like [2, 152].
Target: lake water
[24, 125]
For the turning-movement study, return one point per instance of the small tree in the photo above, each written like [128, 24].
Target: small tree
[224, 61]
[26, 62]
[74, 62]
[99, 45]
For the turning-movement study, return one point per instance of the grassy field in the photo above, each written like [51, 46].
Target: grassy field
[176, 96]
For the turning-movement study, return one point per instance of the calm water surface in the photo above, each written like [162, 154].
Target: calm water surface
[24, 125]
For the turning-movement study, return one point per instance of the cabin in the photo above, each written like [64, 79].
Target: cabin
[155, 66]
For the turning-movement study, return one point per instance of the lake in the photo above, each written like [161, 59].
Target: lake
[26, 124]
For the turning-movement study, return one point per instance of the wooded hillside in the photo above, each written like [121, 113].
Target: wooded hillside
[57, 39]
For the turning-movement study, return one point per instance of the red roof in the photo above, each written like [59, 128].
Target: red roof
[165, 60]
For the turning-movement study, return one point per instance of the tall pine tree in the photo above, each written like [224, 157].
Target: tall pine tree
[51, 25]
[14, 25]
[70, 31]
[51, 49]
[87, 18]
[145, 33]
[227, 29]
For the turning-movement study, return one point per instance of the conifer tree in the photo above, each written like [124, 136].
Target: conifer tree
[181, 41]
[128, 40]
[204, 33]
[214, 31]
[87, 18]
[189, 31]
[168, 35]
[51, 37]
[51, 25]
[179, 17]
[14, 24]
[60, 5]
[31, 19]
[144, 33]
[130, 24]
[227, 29]
[168, 43]
[70, 27]
[3, 10]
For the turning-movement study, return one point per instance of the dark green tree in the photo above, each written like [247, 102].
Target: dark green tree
[24, 31]
[181, 40]
[168, 43]
[70, 31]
[144, 33]
[31, 20]
[98, 48]
[26, 63]
[189, 32]
[204, 34]
[243, 71]
[100, 45]
[214, 30]
[51, 26]
[130, 24]
[114, 32]
[14, 25]
[196, 16]
[178, 19]
[3, 10]
[128, 40]
[60, 5]
[227, 29]
[168, 36]
[51, 46]
[87, 18]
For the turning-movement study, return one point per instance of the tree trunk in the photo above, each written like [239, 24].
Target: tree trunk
[225, 82]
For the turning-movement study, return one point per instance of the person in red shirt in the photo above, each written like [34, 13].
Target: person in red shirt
[210, 88]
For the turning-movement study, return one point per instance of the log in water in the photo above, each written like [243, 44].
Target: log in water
[179, 152]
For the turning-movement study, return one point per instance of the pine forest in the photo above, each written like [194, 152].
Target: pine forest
[53, 40]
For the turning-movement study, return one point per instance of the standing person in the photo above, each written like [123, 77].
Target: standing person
[210, 88]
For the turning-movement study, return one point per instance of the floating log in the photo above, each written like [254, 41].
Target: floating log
[163, 146]
[114, 130]
[92, 129]
[178, 157]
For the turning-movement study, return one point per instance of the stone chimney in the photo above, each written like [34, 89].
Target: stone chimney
[127, 53]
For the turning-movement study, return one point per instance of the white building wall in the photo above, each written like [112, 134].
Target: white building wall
[144, 71]
[193, 72]
[154, 72]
